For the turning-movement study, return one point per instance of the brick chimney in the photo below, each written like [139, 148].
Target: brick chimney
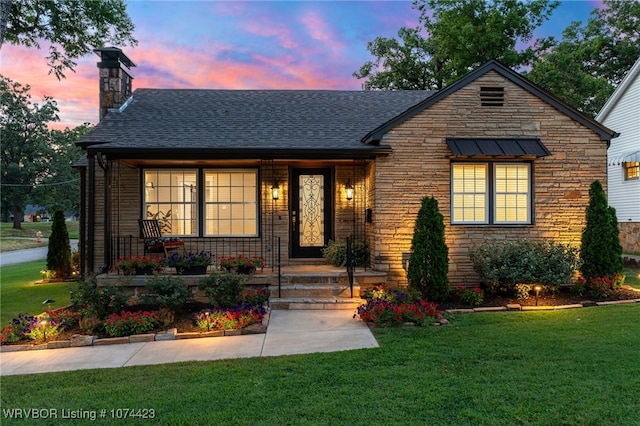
[115, 79]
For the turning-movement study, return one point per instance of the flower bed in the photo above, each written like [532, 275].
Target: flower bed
[394, 306]
[62, 324]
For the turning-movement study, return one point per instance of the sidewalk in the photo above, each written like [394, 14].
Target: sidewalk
[289, 332]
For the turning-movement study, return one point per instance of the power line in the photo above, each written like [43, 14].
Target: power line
[40, 184]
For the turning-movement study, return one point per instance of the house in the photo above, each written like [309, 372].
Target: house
[280, 173]
[622, 112]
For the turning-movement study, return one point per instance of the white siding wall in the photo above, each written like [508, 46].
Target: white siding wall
[624, 118]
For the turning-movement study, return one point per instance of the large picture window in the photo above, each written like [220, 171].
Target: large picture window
[173, 197]
[491, 193]
[231, 202]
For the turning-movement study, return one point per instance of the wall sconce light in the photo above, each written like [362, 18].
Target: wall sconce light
[349, 190]
[275, 191]
[149, 185]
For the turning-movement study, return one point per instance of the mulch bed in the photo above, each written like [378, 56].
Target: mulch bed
[562, 297]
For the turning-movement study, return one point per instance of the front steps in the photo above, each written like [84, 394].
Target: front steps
[327, 290]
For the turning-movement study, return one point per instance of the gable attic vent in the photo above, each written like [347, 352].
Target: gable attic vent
[492, 96]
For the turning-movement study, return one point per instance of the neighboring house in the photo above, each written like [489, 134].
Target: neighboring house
[504, 159]
[622, 112]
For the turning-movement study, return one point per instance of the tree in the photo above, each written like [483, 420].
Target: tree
[591, 60]
[25, 144]
[429, 259]
[60, 189]
[601, 252]
[461, 35]
[400, 65]
[59, 254]
[73, 27]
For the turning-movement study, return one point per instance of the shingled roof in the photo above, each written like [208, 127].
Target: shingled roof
[253, 122]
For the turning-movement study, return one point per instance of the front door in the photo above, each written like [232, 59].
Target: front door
[311, 211]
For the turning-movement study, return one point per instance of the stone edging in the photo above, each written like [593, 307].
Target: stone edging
[518, 307]
[79, 340]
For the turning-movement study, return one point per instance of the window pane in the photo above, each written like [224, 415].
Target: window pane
[170, 196]
[512, 193]
[469, 196]
[231, 202]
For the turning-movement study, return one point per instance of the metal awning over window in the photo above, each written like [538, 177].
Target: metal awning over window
[625, 157]
[512, 147]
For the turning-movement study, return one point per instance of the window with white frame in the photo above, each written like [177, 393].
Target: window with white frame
[491, 193]
[631, 170]
[231, 202]
[171, 197]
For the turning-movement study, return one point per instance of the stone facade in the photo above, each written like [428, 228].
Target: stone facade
[421, 162]
[630, 237]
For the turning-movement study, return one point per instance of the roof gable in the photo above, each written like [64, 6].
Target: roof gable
[605, 134]
[632, 77]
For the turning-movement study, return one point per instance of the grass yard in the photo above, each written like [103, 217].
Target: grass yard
[571, 367]
[18, 293]
[10, 238]
[632, 277]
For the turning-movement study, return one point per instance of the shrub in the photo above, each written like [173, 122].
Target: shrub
[597, 287]
[128, 323]
[502, 265]
[167, 292]
[601, 252]
[95, 301]
[429, 261]
[223, 290]
[472, 296]
[392, 306]
[59, 254]
[335, 253]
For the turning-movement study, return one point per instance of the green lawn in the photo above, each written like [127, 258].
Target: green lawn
[571, 367]
[18, 293]
[29, 229]
[632, 277]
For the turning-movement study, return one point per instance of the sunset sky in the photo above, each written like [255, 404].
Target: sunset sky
[239, 45]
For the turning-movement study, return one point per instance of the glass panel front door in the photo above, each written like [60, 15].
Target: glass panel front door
[311, 224]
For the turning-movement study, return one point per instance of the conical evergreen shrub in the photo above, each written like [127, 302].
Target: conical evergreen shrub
[59, 254]
[429, 259]
[601, 252]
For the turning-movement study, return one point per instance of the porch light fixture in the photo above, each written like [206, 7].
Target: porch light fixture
[349, 190]
[275, 191]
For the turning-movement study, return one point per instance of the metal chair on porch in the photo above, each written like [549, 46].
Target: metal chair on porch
[154, 242]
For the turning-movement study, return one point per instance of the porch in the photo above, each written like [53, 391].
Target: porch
[296, 286]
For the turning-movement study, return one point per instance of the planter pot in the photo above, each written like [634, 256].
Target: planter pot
[194, 270]
[245, 269]
[145, 271]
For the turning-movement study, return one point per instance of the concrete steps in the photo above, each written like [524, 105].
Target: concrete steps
[315, 291]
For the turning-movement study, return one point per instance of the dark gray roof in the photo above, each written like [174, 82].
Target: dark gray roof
[497, 147]
[248, 120]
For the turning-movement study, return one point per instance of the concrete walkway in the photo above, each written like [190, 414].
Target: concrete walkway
[289, 332]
